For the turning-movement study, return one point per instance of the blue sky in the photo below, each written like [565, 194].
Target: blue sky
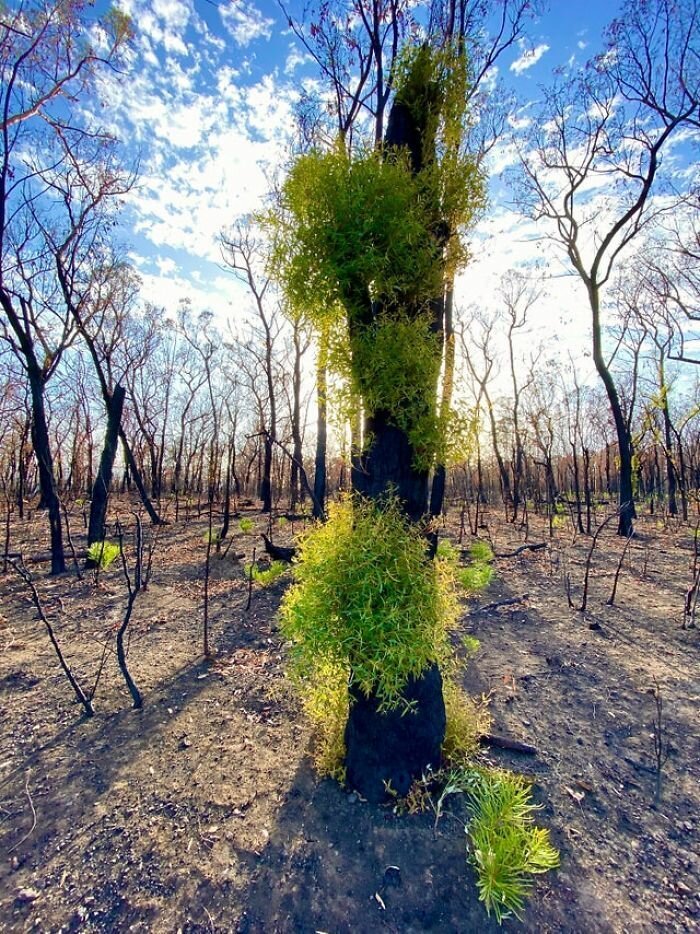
[206, 108]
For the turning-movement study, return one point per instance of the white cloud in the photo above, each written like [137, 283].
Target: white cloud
[528, 57]
[245, 22]
[294, 59]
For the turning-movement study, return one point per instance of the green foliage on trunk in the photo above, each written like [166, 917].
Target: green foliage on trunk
[364, 244]
[369, 608]
[367, 601]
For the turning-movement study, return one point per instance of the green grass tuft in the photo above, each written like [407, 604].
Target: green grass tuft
[268, 575]
[246, 525]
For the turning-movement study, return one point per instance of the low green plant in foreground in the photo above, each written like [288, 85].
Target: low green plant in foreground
[246, 525]
[505, 847]
[266, 576]
[103, 554]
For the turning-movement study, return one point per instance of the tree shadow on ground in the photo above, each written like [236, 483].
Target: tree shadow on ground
[336, 864]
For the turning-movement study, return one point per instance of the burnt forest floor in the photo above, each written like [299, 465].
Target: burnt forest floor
[202, 812]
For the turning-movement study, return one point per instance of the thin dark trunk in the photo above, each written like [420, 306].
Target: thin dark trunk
[103, 481]
[319, 496]
[42, 451]
[132, 472]
[626, 490]
[668, 452]
[266, 479]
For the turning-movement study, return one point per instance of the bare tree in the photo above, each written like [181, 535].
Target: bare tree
[244, 254]
[47, 150]
[610, 125]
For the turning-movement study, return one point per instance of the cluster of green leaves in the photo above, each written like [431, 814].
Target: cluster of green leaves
[505, 847]
[366, 600]
[393, 364]
[246, 525]
[433, 84]
[268, 575]
[346, 228]
[364, 243]
[103, 553]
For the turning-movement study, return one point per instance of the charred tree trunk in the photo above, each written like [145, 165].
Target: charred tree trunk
[266, 477]
[103, 481]
[42, 451]
[387, 750]
[626, 490]
[319, 496]
[132, 472]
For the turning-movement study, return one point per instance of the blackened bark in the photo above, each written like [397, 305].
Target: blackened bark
[266, 479]
[387, 751]
[103, 481]
[624, 440]
[319, 496]
[42, 451]
[132, 471]
[388, 467]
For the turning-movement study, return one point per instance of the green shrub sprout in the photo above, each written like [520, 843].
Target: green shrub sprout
[505, 847]
[103, 554]
[268, 575]
[367, 601]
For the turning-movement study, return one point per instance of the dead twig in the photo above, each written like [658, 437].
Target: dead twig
[611, 599]
[33, 809]
[536, 546]
[84, 699]
[662, 749]
[495, 606]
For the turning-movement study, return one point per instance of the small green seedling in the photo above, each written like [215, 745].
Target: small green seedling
[245, 525]
[266, 576]
[103, 554]
[505, 847]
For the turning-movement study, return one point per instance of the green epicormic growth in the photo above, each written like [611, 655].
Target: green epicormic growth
[367, 602]
[364, 246]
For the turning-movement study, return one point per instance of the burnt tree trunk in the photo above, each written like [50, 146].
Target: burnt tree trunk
[47, 482]
[319, 496]
[103, 481]
[387, 751]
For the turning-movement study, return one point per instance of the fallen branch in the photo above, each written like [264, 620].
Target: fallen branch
[31, 805]
[495, 606]
[279, 552]
[503, 742]
[536, 546]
